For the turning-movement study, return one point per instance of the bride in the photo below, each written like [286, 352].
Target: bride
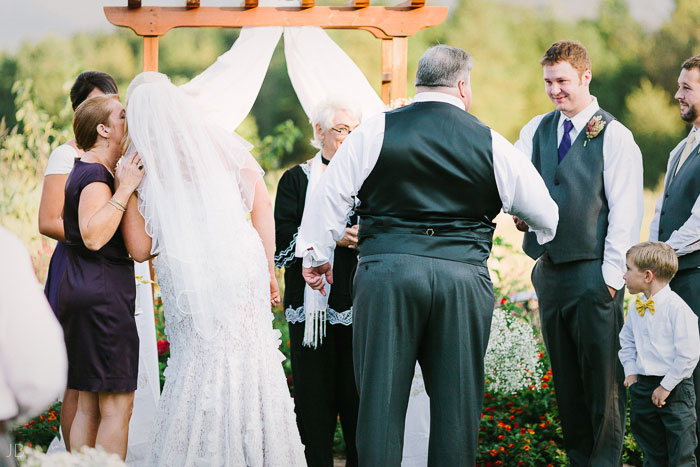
[225, 400]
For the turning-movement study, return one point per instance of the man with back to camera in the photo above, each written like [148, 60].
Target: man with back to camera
[430, 178]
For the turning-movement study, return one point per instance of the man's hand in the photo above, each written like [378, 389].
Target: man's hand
[630, 380]
[314, 276]
[520, 224]
[349, 240]
[658, 398]
[612, 291]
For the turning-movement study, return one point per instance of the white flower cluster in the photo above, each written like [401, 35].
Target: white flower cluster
[87, 457]
[512, 356]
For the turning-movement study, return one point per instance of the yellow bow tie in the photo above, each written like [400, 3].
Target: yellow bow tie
[643, 306]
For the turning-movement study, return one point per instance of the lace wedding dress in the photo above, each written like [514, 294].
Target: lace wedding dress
[225, 400]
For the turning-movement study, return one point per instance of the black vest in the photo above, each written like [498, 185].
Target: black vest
[576, 185]
[432, 191]
[680, 194]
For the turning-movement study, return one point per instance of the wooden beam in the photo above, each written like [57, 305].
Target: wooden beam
[357, 3]
[192, 4]
[134, 4]
[251, 3]
[150, 53]
[308, 3]
[382, 22]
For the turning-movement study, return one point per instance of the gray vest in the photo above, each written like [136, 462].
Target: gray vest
[432, 191]
[680, 193]
[576, 185]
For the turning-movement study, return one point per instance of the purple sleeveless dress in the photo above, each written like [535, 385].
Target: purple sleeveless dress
[97, 299]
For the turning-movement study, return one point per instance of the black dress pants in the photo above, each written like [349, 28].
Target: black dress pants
[666, 434]
[436, 311]
[324, 389]
[581, 325]
[687, 285]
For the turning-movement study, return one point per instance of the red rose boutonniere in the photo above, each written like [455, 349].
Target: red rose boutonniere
[593, 128]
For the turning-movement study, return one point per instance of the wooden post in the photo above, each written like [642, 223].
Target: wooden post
[150, 53]
[387, 67]
[394, 68]
[399, 67]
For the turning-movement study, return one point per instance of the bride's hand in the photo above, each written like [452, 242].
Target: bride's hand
[274, 290]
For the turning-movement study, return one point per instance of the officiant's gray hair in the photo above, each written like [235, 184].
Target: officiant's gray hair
[443, 66]
[325, 111]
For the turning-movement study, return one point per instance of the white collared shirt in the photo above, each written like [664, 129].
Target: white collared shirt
[666, 343]
[687, 238]
[33, 363]
[622, 181]
[521, 189]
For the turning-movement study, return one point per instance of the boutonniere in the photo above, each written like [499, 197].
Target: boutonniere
[593, 128]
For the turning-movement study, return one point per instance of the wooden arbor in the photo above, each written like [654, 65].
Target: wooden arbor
[393, 25]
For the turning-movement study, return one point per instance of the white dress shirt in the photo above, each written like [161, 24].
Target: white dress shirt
[687, 238]
[33, 363]
[666, 343]
[622, 181]
[521, 189]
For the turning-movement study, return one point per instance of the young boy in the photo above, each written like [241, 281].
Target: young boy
[660, 346]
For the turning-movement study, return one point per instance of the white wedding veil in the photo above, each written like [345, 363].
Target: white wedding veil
[199, 184]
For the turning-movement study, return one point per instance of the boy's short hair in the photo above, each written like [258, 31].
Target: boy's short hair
[568, 51]
[657, 257]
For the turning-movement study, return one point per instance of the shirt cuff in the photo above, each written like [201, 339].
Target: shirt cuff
[612, 276]
[669, 382]
[630, 369]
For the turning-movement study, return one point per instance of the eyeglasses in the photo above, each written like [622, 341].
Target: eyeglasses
[342, 131]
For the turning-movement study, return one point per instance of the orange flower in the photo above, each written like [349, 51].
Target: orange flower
[501, 448]
[493, 453]
[507, 427]
[54, 428]
[526, 447]
[500, 437]
[531, 431]
[543, 425]
[544, 386]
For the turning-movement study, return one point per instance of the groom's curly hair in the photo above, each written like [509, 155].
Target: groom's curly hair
[568, 51]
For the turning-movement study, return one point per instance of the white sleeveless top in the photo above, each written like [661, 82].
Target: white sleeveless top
[61, 160]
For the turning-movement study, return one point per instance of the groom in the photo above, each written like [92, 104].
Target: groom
[430, 177]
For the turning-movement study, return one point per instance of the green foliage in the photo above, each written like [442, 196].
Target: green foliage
[40, 430]
[24, 151]
[657, 132]
[273, 146]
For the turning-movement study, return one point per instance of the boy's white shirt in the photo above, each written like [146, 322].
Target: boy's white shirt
[666, 343]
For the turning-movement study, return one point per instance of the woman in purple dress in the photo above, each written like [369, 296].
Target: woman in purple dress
[97, 293]
[87, 84]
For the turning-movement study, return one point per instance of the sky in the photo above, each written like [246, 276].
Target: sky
[31, 20]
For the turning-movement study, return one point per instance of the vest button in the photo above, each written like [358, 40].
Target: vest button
[661, 231]
[666, 195]
[556, 182]
[663, 212]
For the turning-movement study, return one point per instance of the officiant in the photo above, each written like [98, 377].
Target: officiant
[320, 328]
[431, 177]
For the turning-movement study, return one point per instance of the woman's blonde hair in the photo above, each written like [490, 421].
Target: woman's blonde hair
[91, 113]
